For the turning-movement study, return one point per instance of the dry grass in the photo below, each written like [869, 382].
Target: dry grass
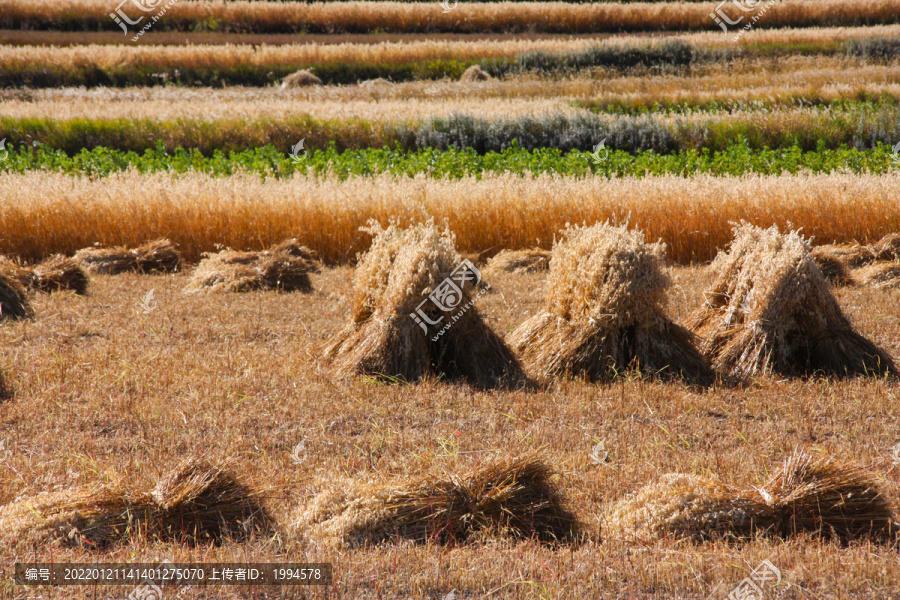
[158, 256]
[515, 497]
[770, 310]
[284, 267]
[48, 213]
[238, 376]
[398, 331]
[819, 496]
[604, 313]
[196, 502]
[473, 17]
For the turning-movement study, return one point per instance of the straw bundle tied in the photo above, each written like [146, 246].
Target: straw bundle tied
[14, 303]
[284, 267]
[512, 497]
[55, 274]
[196, 502]
[604, 315]
[858, 255]
[518, 261]
[393, 281]
[474, 74]
[806, 495]
[880, 275]
[302, 78]
[158, 256]
[770, 310]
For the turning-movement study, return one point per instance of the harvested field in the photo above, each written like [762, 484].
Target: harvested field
[257, 390]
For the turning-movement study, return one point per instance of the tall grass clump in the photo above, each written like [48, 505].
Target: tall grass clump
[874, 48]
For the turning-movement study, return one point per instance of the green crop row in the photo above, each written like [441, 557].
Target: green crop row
[861, 126]
[273, 162]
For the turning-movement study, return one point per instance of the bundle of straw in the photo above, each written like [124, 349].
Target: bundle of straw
[196, 502]
[512, 497]
[518, 261]
[398, 332]
[284, 268]
[770, 310]
[14, 303]
[809, 495]
[604, 315]
[158, 256]
[880, 275]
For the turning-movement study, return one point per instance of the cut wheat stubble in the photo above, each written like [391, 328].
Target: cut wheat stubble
[604, 313]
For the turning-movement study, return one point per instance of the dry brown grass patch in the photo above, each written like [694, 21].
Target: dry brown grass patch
[284, 267]
[196, 502]
[770, 310]
[400, 270]
[512, 497]
[604, 313]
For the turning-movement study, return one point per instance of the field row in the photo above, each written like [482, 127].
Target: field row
[408, 17]
[742, 85]
[45, 213]
[36, 66]
[406, 126]
[125, 395]
[281, 163]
